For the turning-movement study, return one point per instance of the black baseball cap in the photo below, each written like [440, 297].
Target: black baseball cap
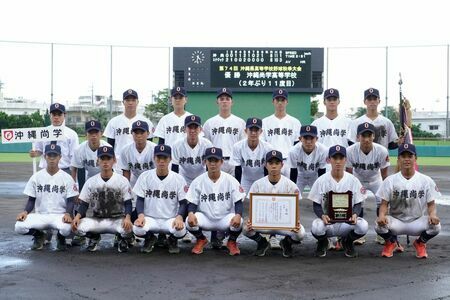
[280, 93]
[57, 107]
[363, 127]
[139, 125]
[225, 91]
[337, 149]
[92, 125]
[274, 154]
[52, 148]
[178, 91]
[213, 152]
[308, 130]
[130, 93]
[163, 150]
[193, 119]
[371, 92]
[407, 148]
[331, 93]
[105, 151]
[253, 122]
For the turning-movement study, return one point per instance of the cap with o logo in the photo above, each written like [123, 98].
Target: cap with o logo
[92, 125]
[274, 154]
[130, 94]
[105, 151]
[163, 150]
[371, 92]
[337, 149]
[178, 91]
[407, 148]
[253, 122]
[365, 127]
[139, 125]
[52, 148]
[331, 93]
[308, 130]
[213, 152]
[224, 91]
[280, 93]
[193, 119]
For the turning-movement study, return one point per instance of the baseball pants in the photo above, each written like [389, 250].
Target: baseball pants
[102, 225]
[42, 222]
[205, 223]
[414, 228]
[154, 225]
[319, 228]
[296, 236]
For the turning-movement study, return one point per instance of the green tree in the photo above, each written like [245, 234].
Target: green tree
[160, 107]
[101, 115]
[314, 107]
[360, 111]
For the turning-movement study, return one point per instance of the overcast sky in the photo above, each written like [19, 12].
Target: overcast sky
[25, 69]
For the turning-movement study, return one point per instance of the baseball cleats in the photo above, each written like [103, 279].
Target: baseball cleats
[93, 244]
[149, 243]
[360, 241]
[322, 247]
[172, 244]
[338, 245]
[199, 245]
[286, 246]
[161, 242]
[263, 246]
[379, 240]
[61, 242]
[389, 248]
[274, 243]
[78, 241]
[48, 236]
[349, 248]
[38, 240]
[421, 249]
[400, 248]
[233, 248]
[123, 245]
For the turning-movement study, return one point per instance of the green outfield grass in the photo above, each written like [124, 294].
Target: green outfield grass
[422, 161]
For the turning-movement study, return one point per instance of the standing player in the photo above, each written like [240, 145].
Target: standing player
[248, 155]
[408, 205]
[385, 134]
[118, 130]
[332, 128]
[280, 129]
[308, 158]
[51, 194]
[215, 203]
[84, 161]
[274, 183]
[338, 181]
[225, 129]
[369, 162]
[109, 194]
[68, 144]
[187, 153]
[161, 203]
[171, 126]
[137, 157]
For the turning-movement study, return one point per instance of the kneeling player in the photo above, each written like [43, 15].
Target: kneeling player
[51, 193]
[215, 203]
[109, 194]
[409, 196]
[337, 181]
[274, 183]
[161, 203]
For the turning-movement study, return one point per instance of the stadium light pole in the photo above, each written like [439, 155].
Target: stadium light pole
[51, 73]
[110, 81]
[386, 94]
[448, 82]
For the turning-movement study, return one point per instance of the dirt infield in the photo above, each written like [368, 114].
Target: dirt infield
[27, 274]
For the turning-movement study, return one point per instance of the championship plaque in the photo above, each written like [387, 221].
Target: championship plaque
[340, 207]
[274, 211]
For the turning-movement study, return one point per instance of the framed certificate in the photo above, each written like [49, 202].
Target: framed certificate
[274, 211]
[340, 207]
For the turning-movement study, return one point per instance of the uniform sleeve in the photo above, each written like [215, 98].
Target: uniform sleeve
[126, 189]
[236, 156]
[350, 160]
[30, 188]
[182, 188]
[385, 189]
[193, 194]
[323, 157]
[76, 161]
[71, 187]
[292, 157]
[237, 192]
[316, 192]
[139, 186]
[384, 158]
[206, 130]
[243, 135]
[353, 128]
[110, 130]
[297, 129]
[124, 158]
[359, 192]
[175, 153]
[160, 130]
[392, 134]
[39, 146]
[151, 128]
[433, 191]
[85, 193]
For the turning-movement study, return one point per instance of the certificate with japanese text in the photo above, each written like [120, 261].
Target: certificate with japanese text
[274, 211]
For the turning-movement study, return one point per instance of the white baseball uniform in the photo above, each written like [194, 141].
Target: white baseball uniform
[251, 161]
[190, 160]
[68, 146]
[282, 134]
[408, 199]
[171, 128]
[283, 186]
[224, 133]
[107, 202]
[384, 129]
[137, 162]
[51, 192]
[161, 199]
[86, 158]
[307, 164]
[215, 202]
[366, 167]
[318, 194]
[333, 132]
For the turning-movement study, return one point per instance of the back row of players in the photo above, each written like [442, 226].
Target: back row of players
[242, 149]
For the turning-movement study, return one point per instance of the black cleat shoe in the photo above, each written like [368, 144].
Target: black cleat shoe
[149, 243]
[61, 242]
[162, 241]
[286, 247]
[93, 243]
[172, 243]
[322, 247]
[263, 246]
[349, 248]
[38, 240]
[78, 241]
[123, 245]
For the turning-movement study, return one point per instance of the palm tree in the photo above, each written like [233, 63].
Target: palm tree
[101, 115]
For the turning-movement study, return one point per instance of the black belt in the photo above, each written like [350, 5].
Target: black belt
[226, 158]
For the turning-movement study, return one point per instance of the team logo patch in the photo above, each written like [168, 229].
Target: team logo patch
[138, 123]
[366, 125]
[105, 149]
[308, 128]
[331, 91]
[224, 90]
[161, 148]
[178, 89]
[387, 158]
[130, 92]
[192, 118]
[363, 190]
[241, 189]
[52, 146]
[213, 150]
[280, 92]
[56, 105]
[370, 90]
[186, 188]
[8, 135]
[92, 123]
[274, 153]
[75, 187]
[254, 121]
[338, 148]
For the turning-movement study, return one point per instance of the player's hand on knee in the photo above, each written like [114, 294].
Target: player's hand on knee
[127, 225]
[22, 216]
[382, 221]
[192, 219]
[236, 221]
[67, 218]
[326, 219]
[75, 223]
[433, 220]
[353, 219]
[178, 223]
[249, 225]
[140, 221]
[297, 228]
